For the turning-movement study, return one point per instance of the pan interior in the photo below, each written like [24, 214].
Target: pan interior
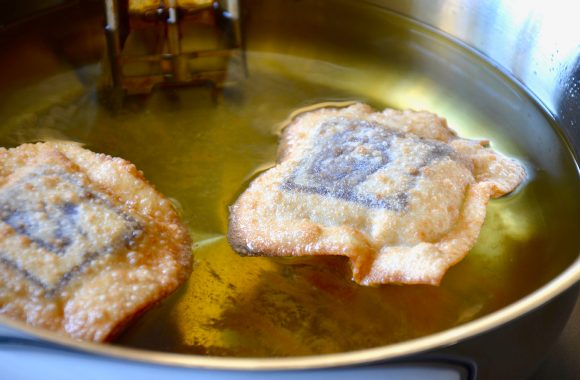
[202, 151]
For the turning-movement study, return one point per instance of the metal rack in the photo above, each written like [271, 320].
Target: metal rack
[173, 43]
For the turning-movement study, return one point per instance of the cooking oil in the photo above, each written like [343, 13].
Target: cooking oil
[201, 151]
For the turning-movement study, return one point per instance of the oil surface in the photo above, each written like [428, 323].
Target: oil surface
[202, 151]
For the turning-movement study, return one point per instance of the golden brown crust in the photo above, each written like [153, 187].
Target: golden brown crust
[395, 191]
[86, 244]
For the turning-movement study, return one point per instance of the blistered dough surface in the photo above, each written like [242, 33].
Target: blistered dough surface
[86, 244]
[395, 191]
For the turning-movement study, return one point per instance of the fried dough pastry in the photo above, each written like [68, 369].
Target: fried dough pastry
[397, 192]
[86, 244]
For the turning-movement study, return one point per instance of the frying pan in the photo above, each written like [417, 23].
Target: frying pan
[529, 45]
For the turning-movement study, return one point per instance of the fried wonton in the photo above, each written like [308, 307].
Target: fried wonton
[86, 244]
[397, 192]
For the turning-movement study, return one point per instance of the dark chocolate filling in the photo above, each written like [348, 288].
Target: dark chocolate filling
[336, 163]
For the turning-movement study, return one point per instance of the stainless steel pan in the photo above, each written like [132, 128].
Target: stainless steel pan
[535, 44]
